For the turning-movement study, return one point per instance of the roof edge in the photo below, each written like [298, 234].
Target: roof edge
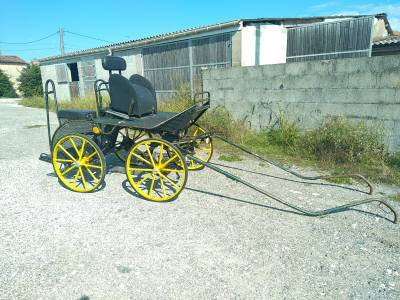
[145, 41]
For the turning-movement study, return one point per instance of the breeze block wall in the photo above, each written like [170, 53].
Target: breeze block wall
[310, 92]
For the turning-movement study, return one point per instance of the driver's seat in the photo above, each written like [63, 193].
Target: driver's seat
[134, 98]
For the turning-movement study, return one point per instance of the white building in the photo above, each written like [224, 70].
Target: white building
[172, 59]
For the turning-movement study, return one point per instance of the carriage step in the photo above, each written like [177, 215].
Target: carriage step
[45, 157]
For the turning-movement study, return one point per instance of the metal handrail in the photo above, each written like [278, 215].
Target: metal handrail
[46, 99]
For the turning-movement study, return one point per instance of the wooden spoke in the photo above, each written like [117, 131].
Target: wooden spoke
[140, 169]
[75, 178]
[60, 160]
[68, 170]
[162, 186]
[66, 152]
[151, 185]
[151, 156]
[93, 166]
[144, 178]
[82, 149]
[74, 145]
[172, 170]
[169, 180]
[92, 174]
[161, 154]
[83, 178]
[169, 161]
[142, 159]
[88, 158]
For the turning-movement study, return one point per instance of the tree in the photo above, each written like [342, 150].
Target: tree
[30, 81]
[6, 87]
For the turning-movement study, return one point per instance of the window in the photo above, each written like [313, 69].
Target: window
[73, 69]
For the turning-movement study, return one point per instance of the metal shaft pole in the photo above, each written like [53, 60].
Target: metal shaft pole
[304, 211]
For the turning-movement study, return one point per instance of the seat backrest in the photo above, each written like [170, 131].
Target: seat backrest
[130, 98]
[113, 63]
[143, 82]
[122, 94]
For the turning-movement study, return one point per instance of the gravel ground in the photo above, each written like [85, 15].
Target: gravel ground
[219, 239]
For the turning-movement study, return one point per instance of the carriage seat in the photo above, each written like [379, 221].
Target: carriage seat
[134, 97]
[76, 114]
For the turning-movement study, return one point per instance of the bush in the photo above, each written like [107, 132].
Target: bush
[287, 133]
[6, 88]
[341, 141]
[30, 81]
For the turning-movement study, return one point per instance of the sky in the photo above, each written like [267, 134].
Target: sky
[23, 21]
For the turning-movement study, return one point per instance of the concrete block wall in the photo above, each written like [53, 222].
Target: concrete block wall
[361, 89]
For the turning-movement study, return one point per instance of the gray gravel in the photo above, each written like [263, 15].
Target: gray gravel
[217, 240]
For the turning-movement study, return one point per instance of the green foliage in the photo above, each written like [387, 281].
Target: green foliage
[78, 103]
[394, 160]
[6, 88]
[30, 81]
[286, 134]
[341, 141]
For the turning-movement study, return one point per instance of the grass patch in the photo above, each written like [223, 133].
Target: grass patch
[338, 146]
[78, 103]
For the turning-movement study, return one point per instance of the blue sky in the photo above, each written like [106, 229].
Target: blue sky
[115, 21]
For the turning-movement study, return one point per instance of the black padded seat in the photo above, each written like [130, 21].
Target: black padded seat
[140, 80]
[132, 99]
[76, 114]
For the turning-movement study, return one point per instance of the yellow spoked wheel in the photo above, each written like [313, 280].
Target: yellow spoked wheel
[78, 163]
[203, 148]
[156, 170]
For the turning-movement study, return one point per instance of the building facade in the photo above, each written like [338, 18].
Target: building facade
[175, 59]
[12, 66]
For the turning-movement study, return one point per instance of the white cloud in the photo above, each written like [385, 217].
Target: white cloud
[325, 5]
[334, 8]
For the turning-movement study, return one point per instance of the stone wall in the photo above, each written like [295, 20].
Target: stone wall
[310, 92]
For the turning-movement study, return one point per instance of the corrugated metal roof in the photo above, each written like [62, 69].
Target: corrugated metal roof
[146, 40]
[194, 30]
[388, 41]
[12, 59]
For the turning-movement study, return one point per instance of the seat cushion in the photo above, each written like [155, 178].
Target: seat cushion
[76, 114]
[130, 98]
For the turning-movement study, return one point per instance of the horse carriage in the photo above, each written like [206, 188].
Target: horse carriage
[157, 148]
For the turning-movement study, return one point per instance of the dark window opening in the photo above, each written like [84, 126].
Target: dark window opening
[73, 68]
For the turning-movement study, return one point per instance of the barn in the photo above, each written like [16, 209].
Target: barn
[173, 59]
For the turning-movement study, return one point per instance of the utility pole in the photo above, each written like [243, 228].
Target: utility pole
[61, 32]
